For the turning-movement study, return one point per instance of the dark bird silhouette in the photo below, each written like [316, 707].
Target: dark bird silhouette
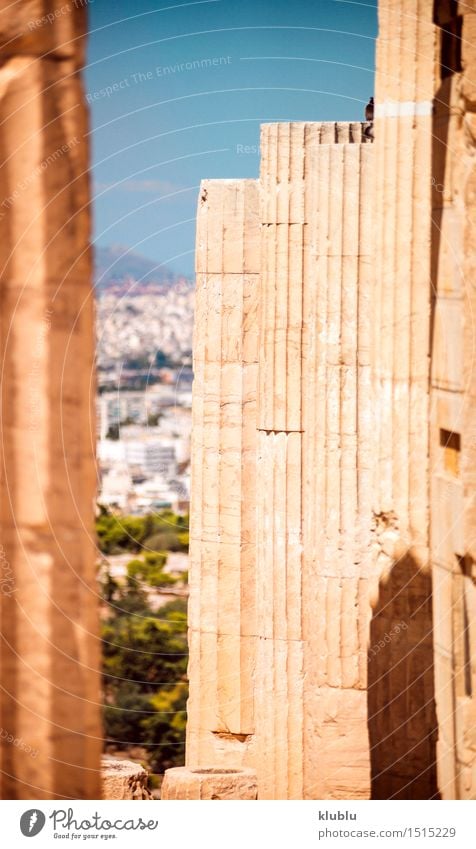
[369, 110]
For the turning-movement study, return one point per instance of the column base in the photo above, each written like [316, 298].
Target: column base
[209, 783]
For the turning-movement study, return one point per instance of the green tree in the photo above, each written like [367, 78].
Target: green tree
[150, 570]
[156, 533]
[144, 651]
[145, 660]
[165, 727]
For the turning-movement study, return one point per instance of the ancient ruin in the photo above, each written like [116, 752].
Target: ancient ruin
[333, 513]
[265, 335]
[332, 617]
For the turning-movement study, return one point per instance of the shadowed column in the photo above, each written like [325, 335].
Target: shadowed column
[402, 722]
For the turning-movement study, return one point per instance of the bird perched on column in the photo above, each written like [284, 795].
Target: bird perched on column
[369, 117]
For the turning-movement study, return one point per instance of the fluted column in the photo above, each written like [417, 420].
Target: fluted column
[337, 466]
[314, 510]
[222, 614]
[279, 699]
[402, 719]
[453, 401]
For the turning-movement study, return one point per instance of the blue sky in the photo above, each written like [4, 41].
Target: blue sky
[177, 93]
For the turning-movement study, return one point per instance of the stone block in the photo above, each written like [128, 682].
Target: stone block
[447, 363]
[209, 783]
[124, 780]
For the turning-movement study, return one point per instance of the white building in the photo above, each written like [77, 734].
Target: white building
[112, 408]
[151, 456]
[155, 494]
[116, 487]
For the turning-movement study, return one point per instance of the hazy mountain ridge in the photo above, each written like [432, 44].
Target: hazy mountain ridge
[119, 270]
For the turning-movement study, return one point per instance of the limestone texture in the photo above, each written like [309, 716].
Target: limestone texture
[313, 459]
[401, 703]
[347, 651]
[209, 783]
[222, 612]
[124, 780]
[453, 399]
[281, 352]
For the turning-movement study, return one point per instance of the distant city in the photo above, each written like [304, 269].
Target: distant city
[144, 341]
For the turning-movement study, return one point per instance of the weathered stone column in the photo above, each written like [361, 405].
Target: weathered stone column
[337, 463]
[402, 721]
[403, 133]
[279, 696]
[222, 611]
[50, 694]
[365, 441]
[314, 461]
[453, 400]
